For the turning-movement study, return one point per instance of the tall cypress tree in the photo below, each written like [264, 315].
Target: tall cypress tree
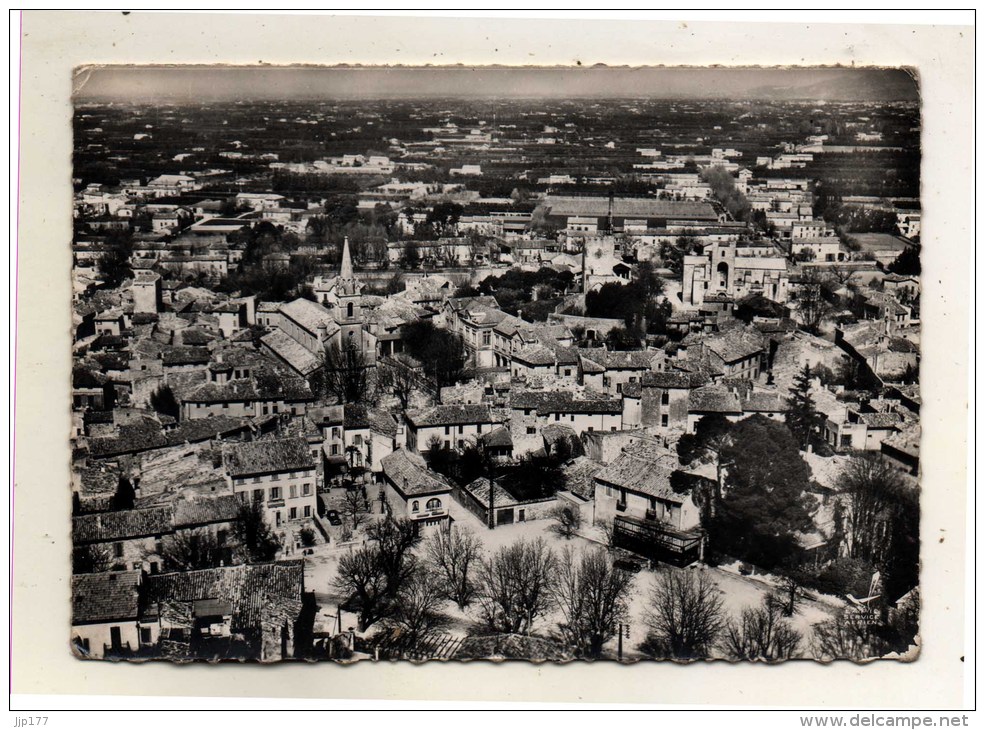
[803, 420]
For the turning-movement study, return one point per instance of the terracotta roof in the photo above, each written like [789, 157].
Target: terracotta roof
[734, 345]
[309, 315]
[637, 470]
[291, 351]
[206, 510]
[186, 356]
[498, 438]
[267, 456]
[122, 525]
[598, 206]
[673, 379]
[451, 415]
[713, 399]
[563, 401]
[480, 488]
[105, 597]
[267, 594]
[764, 402]
[409, 473]
[579, 476]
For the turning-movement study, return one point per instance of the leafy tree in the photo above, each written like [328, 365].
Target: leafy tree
[620, 338]
[441, 351]
[411, 258]
[164, 402]
[257, 541]
[533, 476]
[684, 615]
[765, 500]
[567, 520]
[709, 438]
[761, 633]
[723, 188]
[516, 586]
[648, 281]
[907, 263]
[593, 598]
[90, 559]
[802, 417]
[617, 301]
[125, 495]
[673, 253]
[191, 550]
[455, 554]
[344, 374]
[114, 265]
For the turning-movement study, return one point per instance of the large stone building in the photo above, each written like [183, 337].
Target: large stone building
[737, 270]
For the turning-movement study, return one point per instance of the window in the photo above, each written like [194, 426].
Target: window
[275, 477]
[256, 480]
[307, 511]
[665, 398]
[415, 506]
[306, 490]
[145, 635]
[293, 513]
[335, 449]
[294, 491]
[567, 374]
[275, 492]
[447, 430]
[117, 549]
[257, 495]
[357, 440]
[434, 504]
[531, 429]
[663, 420]
[485, 338]
[335, 432]
[349, 310]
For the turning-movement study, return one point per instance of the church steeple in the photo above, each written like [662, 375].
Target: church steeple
[346, 271]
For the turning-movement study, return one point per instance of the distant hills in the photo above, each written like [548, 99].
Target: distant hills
[860, 85]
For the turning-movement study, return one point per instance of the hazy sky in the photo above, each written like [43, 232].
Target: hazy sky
[203, 83]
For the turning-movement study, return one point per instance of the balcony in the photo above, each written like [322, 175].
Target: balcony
[273, 503]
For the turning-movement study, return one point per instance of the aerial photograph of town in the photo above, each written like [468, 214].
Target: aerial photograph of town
[542, 364]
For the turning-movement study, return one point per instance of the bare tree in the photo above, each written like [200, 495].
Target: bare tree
[516, 585]
[761, 633]
[361, 577]
[567, 520]
[344, 373]
[684, 615]
[398, 379]
[191, 550]
[847, 636]
[455, 554]
[417, 606]
[812, 306]
[353, 507]
[869, 483]
[394, 538]
[593, 597]
[844, 275]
